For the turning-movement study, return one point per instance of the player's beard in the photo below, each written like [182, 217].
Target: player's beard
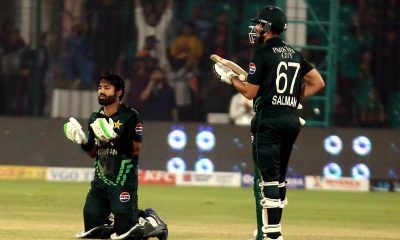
[259, 40]
[108, 100]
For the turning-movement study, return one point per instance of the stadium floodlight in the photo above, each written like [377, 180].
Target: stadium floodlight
[360, 171]
[176, 165]
[205, 140]
[362, 145]
[332, 170]
[204, 165]
[177, 139]
[333, 144]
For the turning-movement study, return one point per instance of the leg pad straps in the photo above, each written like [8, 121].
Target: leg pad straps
[271, 228]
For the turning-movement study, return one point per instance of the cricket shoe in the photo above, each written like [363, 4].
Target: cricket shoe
[155, 226]
[279, 238]
[100, 232]
[135, 233]
[155, 232]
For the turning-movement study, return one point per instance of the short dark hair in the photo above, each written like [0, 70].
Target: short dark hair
[114, 79]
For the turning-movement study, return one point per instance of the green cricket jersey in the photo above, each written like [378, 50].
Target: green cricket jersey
[279, 70]
[114, 163]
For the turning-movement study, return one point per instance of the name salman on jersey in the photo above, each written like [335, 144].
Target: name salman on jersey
[284, 100]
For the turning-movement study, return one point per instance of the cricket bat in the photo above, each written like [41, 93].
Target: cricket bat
[236, 68]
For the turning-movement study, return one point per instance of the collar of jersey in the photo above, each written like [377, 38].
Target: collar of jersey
[121, 109]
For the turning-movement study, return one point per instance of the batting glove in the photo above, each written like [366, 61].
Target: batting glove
[225, 73]
[104, 130]
[73, 131]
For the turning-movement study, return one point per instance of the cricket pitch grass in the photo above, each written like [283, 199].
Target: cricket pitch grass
[50, 210]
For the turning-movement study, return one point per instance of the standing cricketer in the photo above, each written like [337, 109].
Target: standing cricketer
[278, 77]
[114, 140]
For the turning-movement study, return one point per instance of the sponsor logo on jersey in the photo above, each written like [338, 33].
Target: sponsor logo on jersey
[124, 197]
[139, 128]
[252, 68]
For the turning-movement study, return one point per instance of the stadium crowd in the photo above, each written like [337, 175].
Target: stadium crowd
[162, 49]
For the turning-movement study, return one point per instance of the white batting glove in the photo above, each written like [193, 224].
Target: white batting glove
[225, 73]
[104, 130]
[73, 131]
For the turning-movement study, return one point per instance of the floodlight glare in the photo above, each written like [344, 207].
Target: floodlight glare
[333, 144]
[176, 165]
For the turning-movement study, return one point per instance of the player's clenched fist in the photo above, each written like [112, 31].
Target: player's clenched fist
[73, 131]
[103, 129]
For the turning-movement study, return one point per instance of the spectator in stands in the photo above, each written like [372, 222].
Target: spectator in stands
[217, 95]
[150, 23]
[150, 47]
[137, 80]
[219, 38]
[111, 28]
[342, 115]
[202, 24]
[186, 47]
[158, 99]
[361, 90]
[242, 54]
[241, 110]
[184, 79]
[16, 64]
[77, 62]
[38, 103]
[372, 112]
[314, 56]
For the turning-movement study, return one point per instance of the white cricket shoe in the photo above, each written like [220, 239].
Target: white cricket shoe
[279, 238]
[135, 232]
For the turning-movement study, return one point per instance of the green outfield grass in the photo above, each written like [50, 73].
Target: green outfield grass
[43, 210]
